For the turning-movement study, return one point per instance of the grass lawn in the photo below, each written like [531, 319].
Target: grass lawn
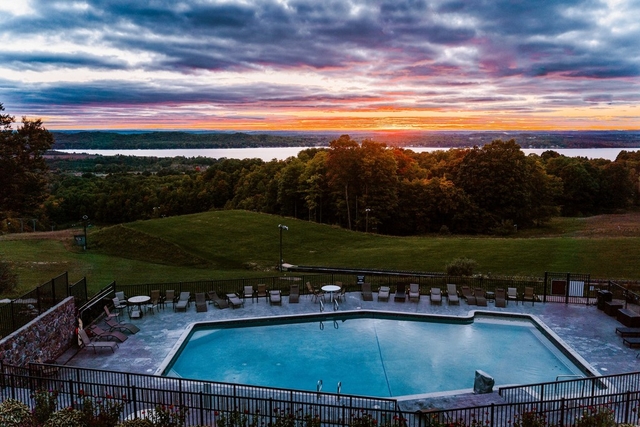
[232, 244]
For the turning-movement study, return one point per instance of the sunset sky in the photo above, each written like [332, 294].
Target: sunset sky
[322, 64]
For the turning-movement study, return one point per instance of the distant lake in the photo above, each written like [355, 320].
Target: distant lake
[281, 153]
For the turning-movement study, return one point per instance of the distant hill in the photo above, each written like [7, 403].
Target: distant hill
[106, 140]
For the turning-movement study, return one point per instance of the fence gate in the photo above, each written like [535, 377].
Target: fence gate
[569, 288]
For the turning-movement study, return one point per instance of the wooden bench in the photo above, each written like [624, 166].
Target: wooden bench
[629, 318]
[611, 308]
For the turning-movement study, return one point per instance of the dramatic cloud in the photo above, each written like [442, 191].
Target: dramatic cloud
[334, 64]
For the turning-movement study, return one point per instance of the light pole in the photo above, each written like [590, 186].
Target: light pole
[281, 227]
[366, 229]
[85, 220]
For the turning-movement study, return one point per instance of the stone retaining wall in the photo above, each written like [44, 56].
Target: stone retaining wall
[44, 338]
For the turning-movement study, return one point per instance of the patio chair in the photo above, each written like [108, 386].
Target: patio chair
[512, 294]
[468, 295]
[383, 293]
[217, 301]
[452, 294]
[262, 292]
[275, 297]
[414, 292]
[102, 334]
[170, 296]
[401, 293]
[119, 305]
[201, 302]
[294, 294]
[235, 301]
[121, 297]
[342, 293]
[96, 344]
[112, 324]
[436, 296]
[183, 301]
[154, 301]
[248, 292]
[528, 295]
[367, 295]
[501, 298]
[481, 299]
[315, 293]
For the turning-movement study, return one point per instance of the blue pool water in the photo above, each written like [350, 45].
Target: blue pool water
[372, 356]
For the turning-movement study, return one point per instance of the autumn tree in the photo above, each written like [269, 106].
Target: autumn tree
[23, 170]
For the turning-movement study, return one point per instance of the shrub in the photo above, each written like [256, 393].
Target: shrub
[100, 412]
[169, 416]
[66, 418]
[46, 403]
[600, 416]
[139, 422]
[14, 414]
[461, 267]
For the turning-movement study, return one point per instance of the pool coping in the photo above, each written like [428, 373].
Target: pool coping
[471, 316]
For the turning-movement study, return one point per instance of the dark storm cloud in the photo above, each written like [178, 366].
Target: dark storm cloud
[521, 47]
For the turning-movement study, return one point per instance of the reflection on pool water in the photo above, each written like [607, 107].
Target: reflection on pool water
[380, 357]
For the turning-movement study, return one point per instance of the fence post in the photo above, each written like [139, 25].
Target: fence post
[561, 412]
[201, 408]
[493, 407]
[38, 299]
[71, 399]
[567, 288]
[544, 287]
[626, 407]
[134, 400]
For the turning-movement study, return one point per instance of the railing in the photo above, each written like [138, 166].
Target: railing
[204, 400]
[22, 310]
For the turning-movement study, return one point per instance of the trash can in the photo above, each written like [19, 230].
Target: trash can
[604, 296]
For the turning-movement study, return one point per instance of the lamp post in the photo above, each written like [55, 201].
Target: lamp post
[281, 227]
[85, 220]
[366, 229]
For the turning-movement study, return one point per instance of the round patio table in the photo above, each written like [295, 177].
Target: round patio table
[331, 289]
[139, 300]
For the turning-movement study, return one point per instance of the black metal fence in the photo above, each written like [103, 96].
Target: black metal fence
[206, 402]
[22, 310]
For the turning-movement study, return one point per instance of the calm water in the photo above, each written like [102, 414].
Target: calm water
[281, 153]
[373, 357]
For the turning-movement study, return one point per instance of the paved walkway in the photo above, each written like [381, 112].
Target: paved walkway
[585, 329]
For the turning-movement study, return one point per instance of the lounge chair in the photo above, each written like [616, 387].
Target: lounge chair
[436, 296]
[628, 332]
[183, 301]
[383, 293]
[632, 342]
[235, 301]
[248, 292]
[294, 294]
[401, 293]
[170, 296]
[275, 297]
[452, 294]
[367, 295]
[501, 298]
[217, 301]
[201, 302]
[262, 292]
[121, 297]
[529, 295]
[481, 299]
[107, 335]
[414, 292]
[468, 295]
[96, 344]
[126, 326]
[512, 294]
[109, 314]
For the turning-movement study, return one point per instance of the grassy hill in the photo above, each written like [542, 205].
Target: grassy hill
[231, 244]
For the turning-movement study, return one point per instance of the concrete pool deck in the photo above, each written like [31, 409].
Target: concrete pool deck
[585, 329]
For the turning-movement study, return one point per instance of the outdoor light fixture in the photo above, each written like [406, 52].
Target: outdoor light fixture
[281, 227]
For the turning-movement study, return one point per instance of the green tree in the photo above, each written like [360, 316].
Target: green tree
[343, 173]
[23, 170]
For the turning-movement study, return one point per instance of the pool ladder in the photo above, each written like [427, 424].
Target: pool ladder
[319, 389]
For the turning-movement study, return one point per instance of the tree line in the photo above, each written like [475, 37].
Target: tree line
[364, 186]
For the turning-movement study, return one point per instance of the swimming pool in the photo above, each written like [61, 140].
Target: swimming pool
[370, 354]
